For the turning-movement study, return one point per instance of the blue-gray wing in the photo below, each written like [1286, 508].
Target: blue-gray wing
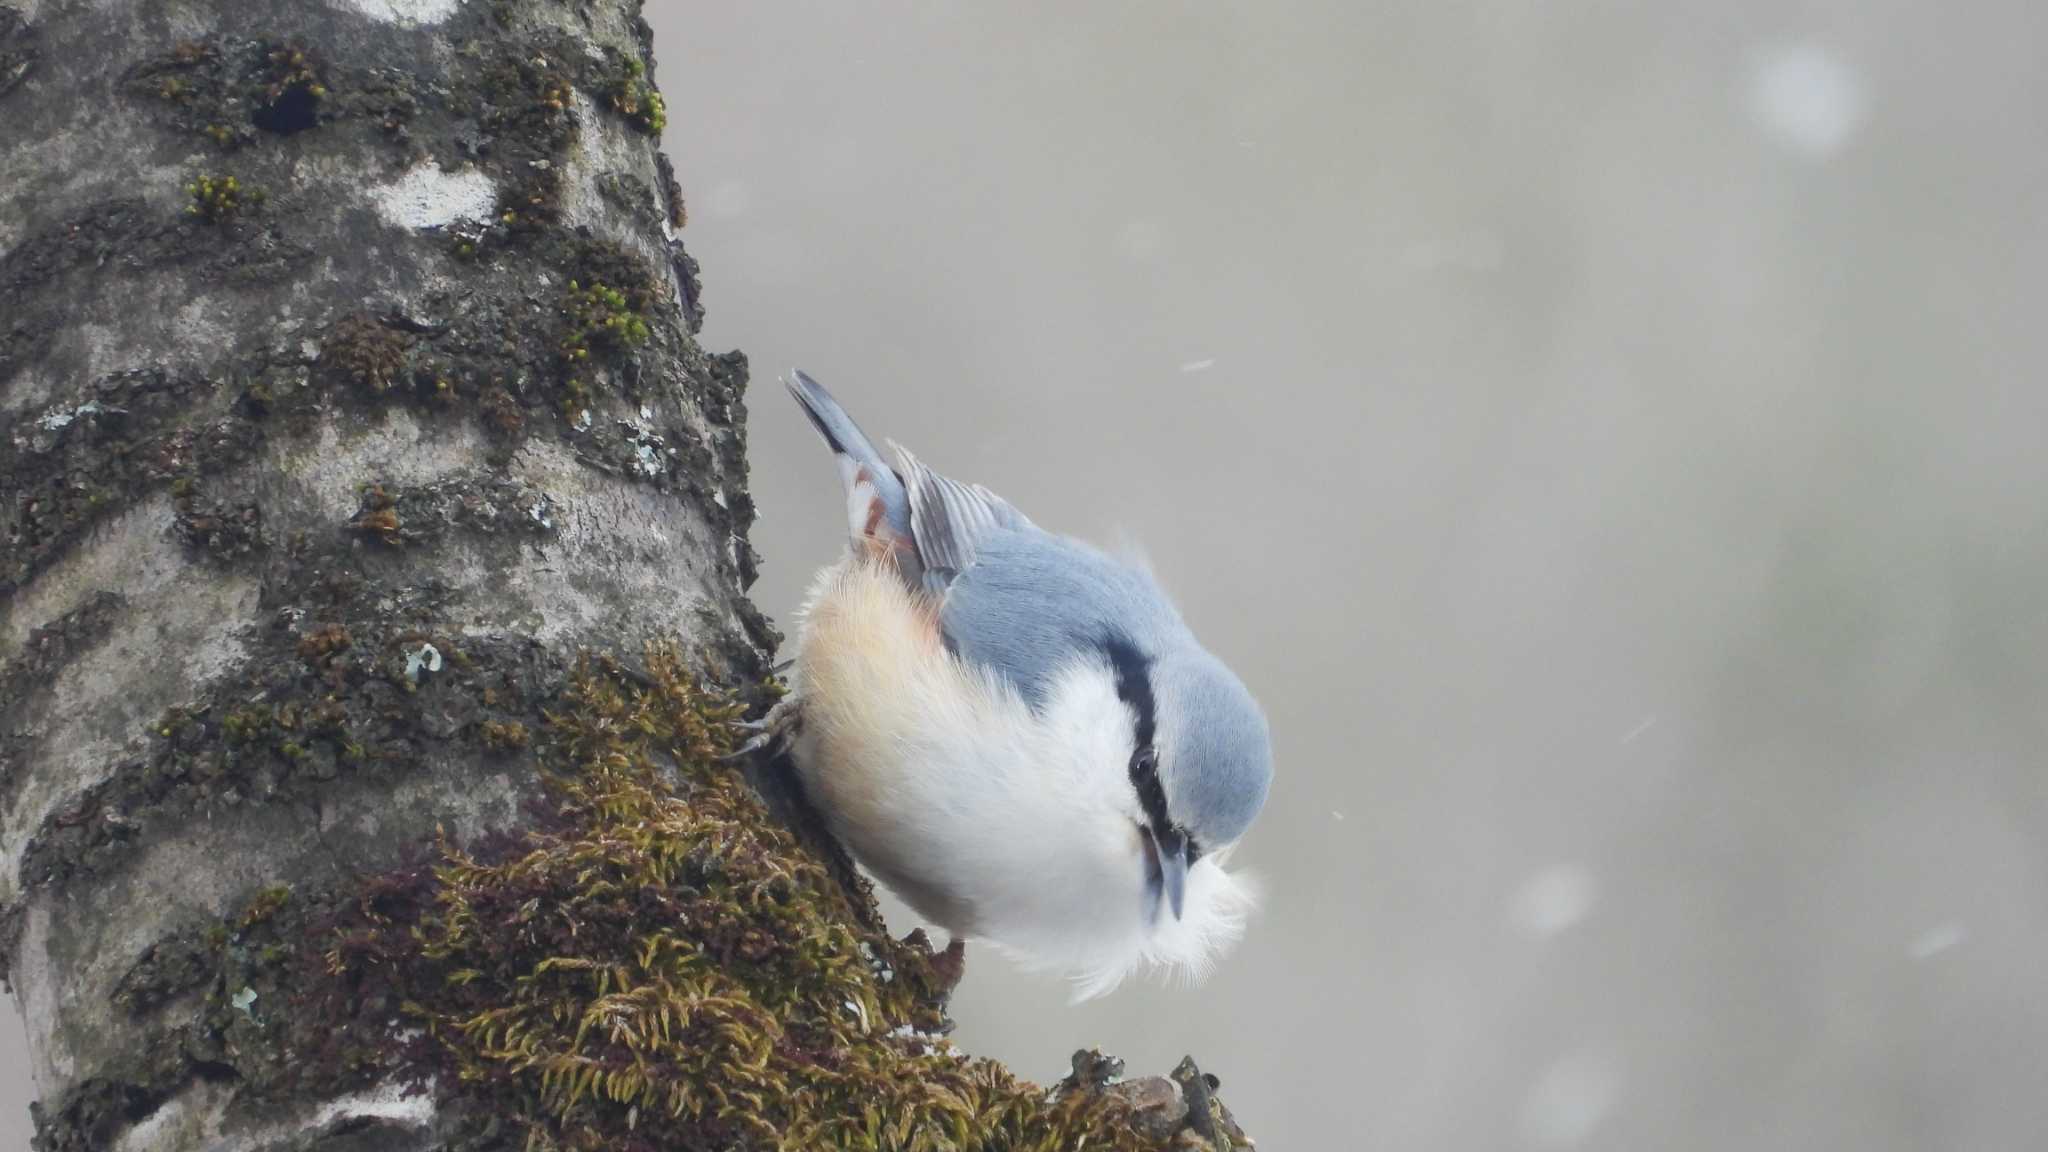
[949, 520]
[1032, 603]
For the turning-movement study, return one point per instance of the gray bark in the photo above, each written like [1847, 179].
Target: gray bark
[309, 497]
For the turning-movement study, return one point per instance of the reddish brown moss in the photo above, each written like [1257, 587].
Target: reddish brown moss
[659, 964]
[365, 352]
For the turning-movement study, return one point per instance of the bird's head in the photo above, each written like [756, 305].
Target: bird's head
[1200, 760]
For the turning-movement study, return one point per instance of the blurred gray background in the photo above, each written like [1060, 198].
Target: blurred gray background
[1610, 439]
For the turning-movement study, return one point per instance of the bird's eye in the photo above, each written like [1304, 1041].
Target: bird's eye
[1151, 794]
[1194, 851]
[1144, 762]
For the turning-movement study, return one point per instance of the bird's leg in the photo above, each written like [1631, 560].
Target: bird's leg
[773, 733]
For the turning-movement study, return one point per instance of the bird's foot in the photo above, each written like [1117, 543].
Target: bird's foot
[949, 966]
[773, 733]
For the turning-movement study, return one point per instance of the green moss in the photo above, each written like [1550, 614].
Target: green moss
[290, 73]
[263, 906]
[634, 97]
[602, 317]
[248, 725]
[658, 963]
[576, 397]
[216, 199]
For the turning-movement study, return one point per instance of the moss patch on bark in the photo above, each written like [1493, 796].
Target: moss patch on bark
[657, 963]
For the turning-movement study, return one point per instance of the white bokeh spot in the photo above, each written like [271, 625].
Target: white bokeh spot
[1936, 940]
[1144, 238]
[1568, 1102]
[729, 199]
[1805, 98]
[1554, 900]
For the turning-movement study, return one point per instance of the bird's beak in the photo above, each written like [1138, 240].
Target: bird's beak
[1170, 849]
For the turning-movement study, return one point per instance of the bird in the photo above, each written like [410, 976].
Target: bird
[1016, 731]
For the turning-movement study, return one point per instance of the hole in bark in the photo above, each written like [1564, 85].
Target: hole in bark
[295, 110]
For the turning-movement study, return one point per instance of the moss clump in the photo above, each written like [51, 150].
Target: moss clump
[631, 95]
[504, 735]
[290, 75]
[659, 964]
[378, 516]
[263, 906]
[365, 352]
[600, 316]
[502, 414]
[320, 643]
[248, 725]
[216, 199]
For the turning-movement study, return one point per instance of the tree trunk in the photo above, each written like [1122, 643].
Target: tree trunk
[350, 391]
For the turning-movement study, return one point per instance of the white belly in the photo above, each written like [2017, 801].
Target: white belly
[992, 820]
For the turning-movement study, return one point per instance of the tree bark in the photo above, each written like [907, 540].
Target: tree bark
[348, 391]
[419, 390]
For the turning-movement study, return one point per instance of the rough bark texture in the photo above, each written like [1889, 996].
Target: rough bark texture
[348, 392]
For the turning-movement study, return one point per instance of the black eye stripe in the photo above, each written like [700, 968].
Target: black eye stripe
[1151, 794]
[1133, 672]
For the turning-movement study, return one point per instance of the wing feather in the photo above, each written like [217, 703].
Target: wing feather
[949, 521]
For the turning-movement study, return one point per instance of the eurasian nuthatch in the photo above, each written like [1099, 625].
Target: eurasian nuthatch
[1017, 732]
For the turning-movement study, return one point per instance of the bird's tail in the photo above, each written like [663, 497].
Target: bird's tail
[878, 507]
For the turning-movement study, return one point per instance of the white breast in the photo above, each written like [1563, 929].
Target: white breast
[992, 820]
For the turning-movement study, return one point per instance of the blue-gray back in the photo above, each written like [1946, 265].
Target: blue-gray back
[1030, 602]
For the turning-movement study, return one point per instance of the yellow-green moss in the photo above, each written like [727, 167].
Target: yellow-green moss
[632, 96]
[263, 906]
[290, 69]
[603, 317]
[219, 198]
[658, 963]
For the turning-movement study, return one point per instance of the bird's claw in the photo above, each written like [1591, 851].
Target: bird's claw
[772, 733]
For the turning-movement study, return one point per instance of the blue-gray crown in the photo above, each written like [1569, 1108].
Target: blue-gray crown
[1216, 753]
